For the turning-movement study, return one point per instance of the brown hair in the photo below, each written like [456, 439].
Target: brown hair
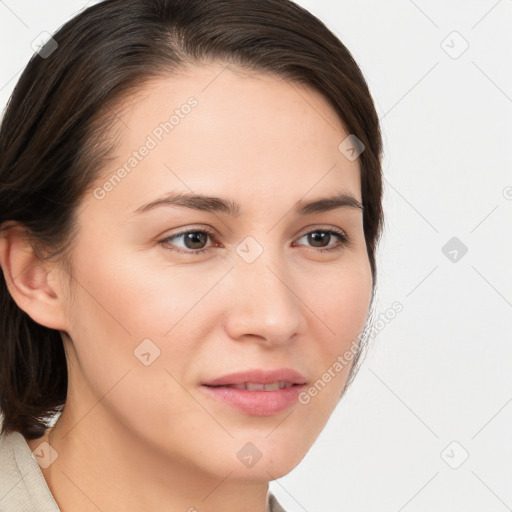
[53, 142]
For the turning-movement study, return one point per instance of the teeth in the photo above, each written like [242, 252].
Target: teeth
[252, 386]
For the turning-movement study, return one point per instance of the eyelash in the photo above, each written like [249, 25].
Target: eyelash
[342, 240]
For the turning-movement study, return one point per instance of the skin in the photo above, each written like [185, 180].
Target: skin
[135, 437]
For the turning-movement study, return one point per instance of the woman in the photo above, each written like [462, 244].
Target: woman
[190, 207]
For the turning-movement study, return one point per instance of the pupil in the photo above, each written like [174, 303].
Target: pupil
[192, 237]
[314, 238]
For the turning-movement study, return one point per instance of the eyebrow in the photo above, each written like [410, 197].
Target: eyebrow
[212, 204]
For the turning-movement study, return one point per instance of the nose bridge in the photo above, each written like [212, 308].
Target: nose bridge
[263, 301]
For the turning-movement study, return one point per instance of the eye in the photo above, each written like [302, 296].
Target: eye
[320, 236]
[194, 240]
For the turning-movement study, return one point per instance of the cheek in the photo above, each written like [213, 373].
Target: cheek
[126, 308]
[340, 305]
[342, 301]
[130, 296]
[117, 305]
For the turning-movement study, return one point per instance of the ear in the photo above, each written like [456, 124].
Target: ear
[31, 281]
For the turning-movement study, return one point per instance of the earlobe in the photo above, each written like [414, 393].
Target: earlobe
[28, 279]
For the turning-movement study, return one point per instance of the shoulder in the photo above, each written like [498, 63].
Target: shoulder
[22, 486]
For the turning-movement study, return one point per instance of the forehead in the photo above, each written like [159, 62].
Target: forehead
[231, 131]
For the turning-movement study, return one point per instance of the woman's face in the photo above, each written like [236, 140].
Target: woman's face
[153, 318]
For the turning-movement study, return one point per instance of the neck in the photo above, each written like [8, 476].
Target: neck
[100, 466]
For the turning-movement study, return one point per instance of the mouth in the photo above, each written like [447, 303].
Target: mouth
[256, 386]
[257, 392]
[250, 379]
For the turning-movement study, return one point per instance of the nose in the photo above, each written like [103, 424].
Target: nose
[263, 302]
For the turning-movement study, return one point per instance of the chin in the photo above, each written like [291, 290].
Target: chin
[266, 459]
[261, 471]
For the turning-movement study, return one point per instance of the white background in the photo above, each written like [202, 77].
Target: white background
[437, 373]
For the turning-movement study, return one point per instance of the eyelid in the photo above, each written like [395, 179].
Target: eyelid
[191, 229]
[320, 227]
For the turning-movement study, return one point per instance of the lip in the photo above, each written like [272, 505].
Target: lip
[257, 403]
[259, 376]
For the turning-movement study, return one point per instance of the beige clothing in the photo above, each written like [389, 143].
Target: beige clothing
[23, 487]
